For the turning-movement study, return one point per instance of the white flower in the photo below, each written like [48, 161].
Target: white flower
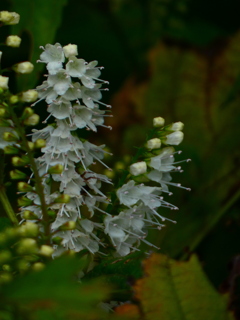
[76, 67]
[138, 168]
[164, 161]
[158, 122]
[174, 138]
[154, 143]
[54, 57]
[59, 81]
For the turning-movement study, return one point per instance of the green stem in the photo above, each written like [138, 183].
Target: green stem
[38, 181]
[212, 223]
[7, 206]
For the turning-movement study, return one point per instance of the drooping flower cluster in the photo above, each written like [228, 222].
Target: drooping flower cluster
[72, 189]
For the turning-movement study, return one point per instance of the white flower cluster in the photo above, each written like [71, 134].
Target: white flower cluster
[73, 91]
[142, 202]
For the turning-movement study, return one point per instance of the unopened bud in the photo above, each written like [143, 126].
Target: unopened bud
[9, 18]
[57, 169]
[176, 126]
[70, 50]
[10, 150]
[19, 162]
[5, 256]
[174, 138]
[46, 251]
[17, 174]
[28, 229]
[29, 96]
[158, 122]
[40, 143]
[24, 202]
[70, 225]
[7, 267]
[29, 215]
[138, 168]
[27, 246]
[57, 240]
[5, 277]
[13, 41]
[9, 136]
[4, 82]
[32, 120]
[154, 143]
[3, 113]
[4, 123]
[24, 187]
[51, 213]
[38, 266]
[23, 67]
[63, 198]
[27, 112]
[31, 145]
[13, 99]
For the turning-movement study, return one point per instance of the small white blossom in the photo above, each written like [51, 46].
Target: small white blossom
[13, 41]
[4, 82]
[70, 50]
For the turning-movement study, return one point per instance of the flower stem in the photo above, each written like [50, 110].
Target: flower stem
[7, 206]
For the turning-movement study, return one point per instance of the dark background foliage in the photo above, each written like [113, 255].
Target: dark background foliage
[179, 59]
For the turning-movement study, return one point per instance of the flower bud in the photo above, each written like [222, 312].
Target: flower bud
[40, 143]
[13, 41]
[5, 256]
[29, 215]
[10, 150]
[24, 202]
[70, 50]
[4, 82]
[13, 99]
[57, 169]
[28, 229]
[19, 162]
[9, 18]
[23, 67]
[7, 267]
[3, 113]
[52, 213]
[70, 225]
[27, 112]
[24, 187]
[158, 122]
[176, 126]
[154, 143]
[174, 138]
[5, 277]
[63, 198]
[4, 123]
[138, 168]
[27, 246]
[46, 251]
[23, 265]
[9, 136]
[29, 96]
[17, 174]
[32, 120]
[57, 240]
[31, 145]
[38, 266]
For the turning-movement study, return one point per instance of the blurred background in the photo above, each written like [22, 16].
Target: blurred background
[179, 59]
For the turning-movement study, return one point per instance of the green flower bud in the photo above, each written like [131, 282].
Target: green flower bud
[57, 169]
[29, 215]
[29, 96]
[38, 266]
[5, 256]
[7, 267]
[63, 198]
[40, 143]
[70, 225]
[51, 213]
[3, 113]
[23, 265]
[32, 120]
[27, 246]
[9, 136]
[19, 162]
[27, 112]
[13, 99]
[46, 251]
[28, 229]
[57, 240]
[17, 174]
[24, 202]
[24, 187]
[4, 123]
[31, 145]
[10, 150]
[5, 277]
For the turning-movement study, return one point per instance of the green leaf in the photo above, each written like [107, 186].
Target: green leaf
[56, 289]
[178, 290]
[40, 20]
